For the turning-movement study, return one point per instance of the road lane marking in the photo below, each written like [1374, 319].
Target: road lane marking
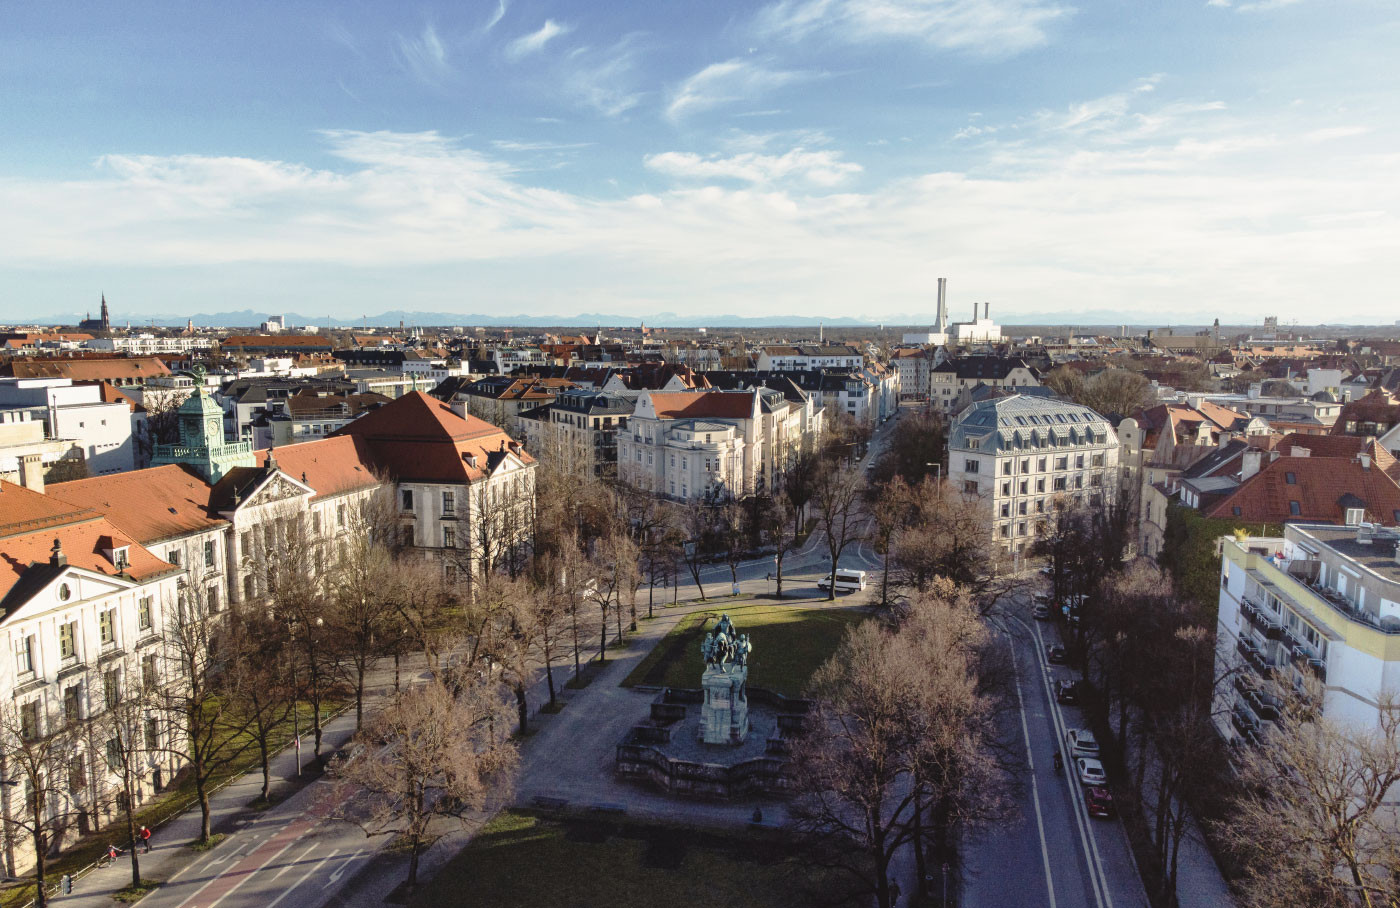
[1035, 785]
[292, 888]
[295, 861]
[343, 867]
[1097, 879]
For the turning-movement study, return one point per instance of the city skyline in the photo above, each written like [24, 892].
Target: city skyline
[819, 158]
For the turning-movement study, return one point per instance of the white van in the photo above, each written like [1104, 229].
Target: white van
[845, 580]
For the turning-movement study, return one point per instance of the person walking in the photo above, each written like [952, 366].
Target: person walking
[146, 839]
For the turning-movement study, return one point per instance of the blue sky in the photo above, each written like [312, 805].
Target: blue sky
[1166, 162]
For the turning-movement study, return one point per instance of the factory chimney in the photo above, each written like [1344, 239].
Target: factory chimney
[941, 326]
[987, 310]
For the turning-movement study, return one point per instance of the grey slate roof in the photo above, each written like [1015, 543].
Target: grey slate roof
[1022, 423]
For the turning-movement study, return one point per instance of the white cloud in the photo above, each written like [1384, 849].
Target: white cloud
[1265, 5]
[1332, 133]
[424, 57]
[727, 82]
[510, 145]
[496, 17]
[535, 41]
[604, 79]
[994, 27]
[819, 168]
[1223, 212]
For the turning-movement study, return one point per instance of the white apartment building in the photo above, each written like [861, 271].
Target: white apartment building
[1022, 454]
[806, 357]
[952, 381]
[911, 369]
[102, 429]
[692, 444]
[1321, 602]
[151, 344]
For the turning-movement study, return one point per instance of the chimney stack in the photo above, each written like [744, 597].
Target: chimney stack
[987, 310]
[942, 324]
[56, 557]
[31, 472]
[1250, 462]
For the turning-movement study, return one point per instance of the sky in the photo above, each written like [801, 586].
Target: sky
[1152, 162]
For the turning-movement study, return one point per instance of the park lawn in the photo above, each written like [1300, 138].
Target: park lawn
[522, 861]
[788, 645]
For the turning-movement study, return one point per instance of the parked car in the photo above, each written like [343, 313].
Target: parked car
[1042, 598]
[1082, 742]
[1055, 653]
[1041, 612]
[1099, 801]
[1067, 692]
[1091, 771]
[845, 580]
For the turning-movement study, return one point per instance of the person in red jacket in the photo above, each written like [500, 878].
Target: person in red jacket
[146, 838]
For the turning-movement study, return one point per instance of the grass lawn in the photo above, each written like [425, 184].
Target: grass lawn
[788, 645]
[521, 861]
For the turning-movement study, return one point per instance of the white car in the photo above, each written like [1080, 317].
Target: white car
[1091, 771]
[1082, 742]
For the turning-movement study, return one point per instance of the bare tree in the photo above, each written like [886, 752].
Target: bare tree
[361, 625]
[431, 753]
[38, 762]
[256, 678]
[1312, 820]
[837, 495]
[700, 539]
[130, 734]
[521, 620]
[202, 724]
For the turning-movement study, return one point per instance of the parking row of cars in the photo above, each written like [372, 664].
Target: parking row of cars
[1080, 743]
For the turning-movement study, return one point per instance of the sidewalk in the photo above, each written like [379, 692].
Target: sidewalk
[569, 756]
[552, 761]
[170, 852]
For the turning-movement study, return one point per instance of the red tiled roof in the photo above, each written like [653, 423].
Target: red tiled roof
[704, 405]
[418, 437]
[141, 367]
[1375, 407]
[276, 340]
[23, 510]
[30, 522]
[150, 505]
[1319, 483]
[331, 466]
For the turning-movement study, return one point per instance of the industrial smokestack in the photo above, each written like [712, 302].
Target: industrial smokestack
[987, 310]
[942, 324]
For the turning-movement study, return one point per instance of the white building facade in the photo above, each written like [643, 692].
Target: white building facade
[1318, 606]
[1022, 455]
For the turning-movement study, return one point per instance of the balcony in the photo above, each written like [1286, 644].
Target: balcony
[1257, 616]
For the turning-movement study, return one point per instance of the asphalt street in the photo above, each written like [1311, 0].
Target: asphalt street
[1052, 853]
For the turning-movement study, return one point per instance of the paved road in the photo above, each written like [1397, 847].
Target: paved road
[1053, 853]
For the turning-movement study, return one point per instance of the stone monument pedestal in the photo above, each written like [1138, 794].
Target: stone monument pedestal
[724, 717]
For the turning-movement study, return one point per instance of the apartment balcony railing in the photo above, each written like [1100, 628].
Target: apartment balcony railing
[1267, 624]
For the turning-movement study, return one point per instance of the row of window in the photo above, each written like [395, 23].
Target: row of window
[31, 715]
[69, 637]
[449, 500]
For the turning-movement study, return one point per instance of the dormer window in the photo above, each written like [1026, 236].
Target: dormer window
[120, 559]
[1354, 516]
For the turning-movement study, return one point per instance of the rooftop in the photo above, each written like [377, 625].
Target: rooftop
[1377, 554]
